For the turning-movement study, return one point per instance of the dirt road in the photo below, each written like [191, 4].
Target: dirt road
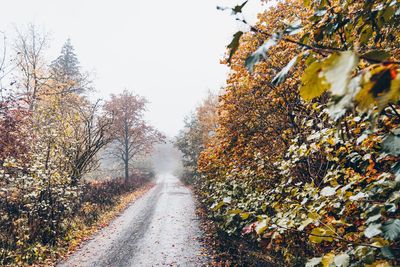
[159, 229]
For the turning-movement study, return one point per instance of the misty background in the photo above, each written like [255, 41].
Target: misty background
[166, 51]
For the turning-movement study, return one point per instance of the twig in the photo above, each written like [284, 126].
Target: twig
[394, 109]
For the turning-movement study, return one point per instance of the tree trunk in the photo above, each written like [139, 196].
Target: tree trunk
[126, 160]
[126, 171]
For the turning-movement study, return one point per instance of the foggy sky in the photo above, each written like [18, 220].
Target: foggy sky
[167, 51]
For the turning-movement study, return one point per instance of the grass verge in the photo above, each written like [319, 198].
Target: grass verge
[82, 231]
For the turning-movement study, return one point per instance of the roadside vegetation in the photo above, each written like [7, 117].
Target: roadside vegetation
[301, 164]
[52, 137]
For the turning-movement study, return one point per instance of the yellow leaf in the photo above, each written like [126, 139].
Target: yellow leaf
[218, 206]
[380, 86]
[332, 73]
[327, 259]
[312, 83]
[321, 234]
[381, 263]
[244, 215]
[331, 141]
[314, 215]
[235, 211]
[380, 242]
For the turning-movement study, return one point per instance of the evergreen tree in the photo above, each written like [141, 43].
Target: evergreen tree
[66, 70]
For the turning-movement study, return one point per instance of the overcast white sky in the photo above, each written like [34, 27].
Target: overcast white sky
[167, 51]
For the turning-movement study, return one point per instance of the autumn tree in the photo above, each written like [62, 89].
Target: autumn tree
[51, 135]
[198, 132]
[33, 76]
[207, 116]
[90, 134]
[131, 133]
[49, 140]
[13, 118]
[190, 143]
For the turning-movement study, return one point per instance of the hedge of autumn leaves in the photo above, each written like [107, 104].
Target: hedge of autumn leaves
[304, 161]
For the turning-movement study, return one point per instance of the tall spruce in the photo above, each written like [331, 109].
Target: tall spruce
[66, 70]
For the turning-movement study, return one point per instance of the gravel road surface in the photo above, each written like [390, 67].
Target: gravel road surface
[158, 229]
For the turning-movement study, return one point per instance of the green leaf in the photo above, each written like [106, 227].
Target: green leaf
[373, 229]
[260, 53]
[375, 56]
[391, 229]
[387, 253]
[234, 45]
[235, 10]
[281, 76]
[238, 9]
[366, 34]
[388, 13]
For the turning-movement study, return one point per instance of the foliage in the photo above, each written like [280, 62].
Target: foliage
[31, 75]
[50, 138]
[190, 144]
[304, 161]
[131, 134]
[66, 70]
[197, 133]
[99, 196]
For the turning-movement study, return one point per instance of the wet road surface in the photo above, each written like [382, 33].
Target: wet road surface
[158, 229]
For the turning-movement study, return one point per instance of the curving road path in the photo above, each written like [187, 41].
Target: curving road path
[158, 229]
